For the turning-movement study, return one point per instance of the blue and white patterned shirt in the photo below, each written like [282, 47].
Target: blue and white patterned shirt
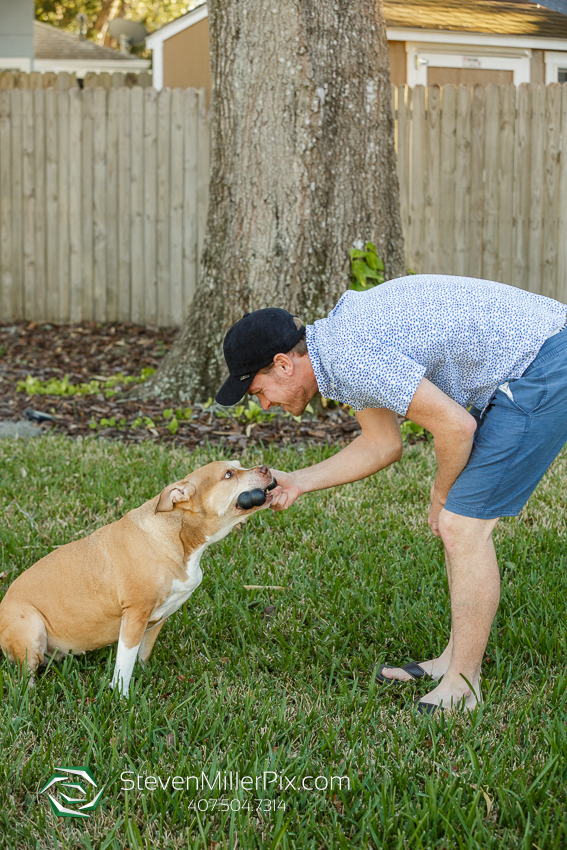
[466, 336]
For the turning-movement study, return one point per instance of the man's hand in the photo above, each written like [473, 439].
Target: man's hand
[290, 490]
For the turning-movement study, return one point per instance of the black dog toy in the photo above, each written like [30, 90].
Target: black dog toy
[254, 498]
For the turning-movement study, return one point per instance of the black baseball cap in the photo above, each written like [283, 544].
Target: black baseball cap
[251, 344]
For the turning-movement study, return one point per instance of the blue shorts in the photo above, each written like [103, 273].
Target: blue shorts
[521, 433]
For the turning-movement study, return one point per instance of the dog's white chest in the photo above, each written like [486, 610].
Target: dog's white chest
[181, 590]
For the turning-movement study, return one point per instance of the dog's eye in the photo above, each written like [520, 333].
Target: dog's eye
[228, 474]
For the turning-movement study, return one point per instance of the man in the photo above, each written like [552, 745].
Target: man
[481, 365]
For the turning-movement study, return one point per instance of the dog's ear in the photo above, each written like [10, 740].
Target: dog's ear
[179, 493]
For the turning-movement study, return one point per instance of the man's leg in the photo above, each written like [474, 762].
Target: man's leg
[434, 667]
[475, 594]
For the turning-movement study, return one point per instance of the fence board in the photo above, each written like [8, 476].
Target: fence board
[462, 180]
[176, 204]
[417, 187]
[99, 205]
[124, 148]
[204, 169]
[112, 136]
[137, 311]
[63, 203]
[29, 207]
[75, 205]
[561, 291]
[150, 204]
[552, 180]
[163, 190]
[447, 188]
[190, 170]
[490, 212]
[87, 206]
[537, 188]
[403, 151]
[52, 205]
[477, 181]
[17, 200]
[505, 271]
[522, 186]
[432, 187]
[6, 235]
[39, 301]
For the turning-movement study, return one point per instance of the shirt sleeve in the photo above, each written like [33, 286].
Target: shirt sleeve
[371, 376]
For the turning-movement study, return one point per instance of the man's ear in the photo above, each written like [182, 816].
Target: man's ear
[285, 362]
[179, 493]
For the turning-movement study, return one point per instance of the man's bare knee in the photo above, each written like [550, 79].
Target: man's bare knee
[459, 531]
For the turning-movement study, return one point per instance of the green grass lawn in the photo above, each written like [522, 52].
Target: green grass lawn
[234, 685]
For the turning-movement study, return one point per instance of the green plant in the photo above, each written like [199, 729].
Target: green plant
[366, 268]
[63, 387]
[108, 423]
[175, 416]
[410, 428]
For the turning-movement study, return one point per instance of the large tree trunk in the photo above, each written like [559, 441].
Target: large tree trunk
[303, 166]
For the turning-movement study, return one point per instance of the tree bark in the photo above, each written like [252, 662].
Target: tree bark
[303, 167]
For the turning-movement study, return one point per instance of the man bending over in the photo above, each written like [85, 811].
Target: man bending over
[481, 365]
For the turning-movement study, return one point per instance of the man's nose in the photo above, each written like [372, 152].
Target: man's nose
[265, 404]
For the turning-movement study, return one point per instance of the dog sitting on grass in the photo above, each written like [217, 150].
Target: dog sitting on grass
[124, 580]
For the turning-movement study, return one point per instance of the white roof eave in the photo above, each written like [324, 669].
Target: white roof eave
[91, 65]
[472, 38]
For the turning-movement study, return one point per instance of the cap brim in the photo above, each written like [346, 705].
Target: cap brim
[232, 390]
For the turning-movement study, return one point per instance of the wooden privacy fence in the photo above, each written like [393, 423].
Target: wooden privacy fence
[63, 80]
[103, 194]
[483, 182]
[103, 202]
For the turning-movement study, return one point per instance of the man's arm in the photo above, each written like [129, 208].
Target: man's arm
[453, 431]
[379, 445]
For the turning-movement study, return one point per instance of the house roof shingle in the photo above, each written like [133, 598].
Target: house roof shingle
[498, 17]
[52, 43]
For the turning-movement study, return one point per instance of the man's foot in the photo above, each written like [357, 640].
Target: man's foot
[434, 669]
[451, 696]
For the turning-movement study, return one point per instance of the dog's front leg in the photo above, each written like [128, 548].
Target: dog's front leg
[132, 630]
[148, 641]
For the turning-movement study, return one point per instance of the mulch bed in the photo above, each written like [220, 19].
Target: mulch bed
[92, 351]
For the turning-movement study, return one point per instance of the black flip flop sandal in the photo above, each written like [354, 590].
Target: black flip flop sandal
[413, 668]
[427, 707]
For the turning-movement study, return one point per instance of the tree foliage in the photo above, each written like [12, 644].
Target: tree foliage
[152, 13]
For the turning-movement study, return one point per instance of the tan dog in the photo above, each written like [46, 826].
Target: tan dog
[123, 581]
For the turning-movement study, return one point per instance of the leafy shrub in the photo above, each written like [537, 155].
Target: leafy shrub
[367, 268]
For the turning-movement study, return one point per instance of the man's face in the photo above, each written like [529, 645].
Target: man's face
[284, 385]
